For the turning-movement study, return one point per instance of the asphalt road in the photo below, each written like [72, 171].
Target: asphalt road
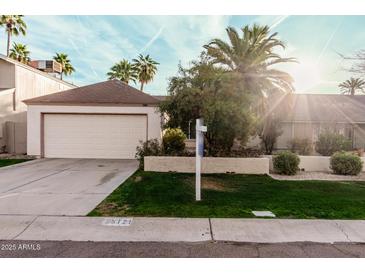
[71, 249]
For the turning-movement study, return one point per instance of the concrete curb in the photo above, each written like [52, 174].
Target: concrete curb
[60, 228]
[94, 229]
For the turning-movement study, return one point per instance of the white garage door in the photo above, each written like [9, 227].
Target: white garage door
[93, 136]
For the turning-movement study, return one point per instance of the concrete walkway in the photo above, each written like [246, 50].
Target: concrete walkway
[59, 228]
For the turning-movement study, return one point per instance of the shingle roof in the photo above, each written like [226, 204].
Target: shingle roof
[112, 92]
[323, 108]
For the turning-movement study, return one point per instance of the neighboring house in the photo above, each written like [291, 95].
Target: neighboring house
[306, 115]
[103, 120]
[18, 82]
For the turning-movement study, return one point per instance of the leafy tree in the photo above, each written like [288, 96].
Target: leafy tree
[350, 86]
[65, 62]
[146, 69]
[204, 90]
[20, 53]
[14, 25]
[123, 71]
[230, 87]
[357, 62]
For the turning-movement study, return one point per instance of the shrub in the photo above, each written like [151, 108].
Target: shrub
[301, 146]
[286, 163]
[174, 141]
[271, 130]
[331, 142]
[149, 148]
[346, 163]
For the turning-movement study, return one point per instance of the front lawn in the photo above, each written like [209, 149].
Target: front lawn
[9, 162]
[234, 196]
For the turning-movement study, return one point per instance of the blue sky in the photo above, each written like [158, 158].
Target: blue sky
[95, 43]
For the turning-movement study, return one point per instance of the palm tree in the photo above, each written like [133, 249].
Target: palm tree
[20, 53]
[123, 71]
[67, 68]
[146, 69]
[350, 86]
[14, 25]
[251, 57]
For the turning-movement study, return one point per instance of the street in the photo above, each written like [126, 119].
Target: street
[209, 249]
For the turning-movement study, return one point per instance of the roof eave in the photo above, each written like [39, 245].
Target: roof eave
[89, 104]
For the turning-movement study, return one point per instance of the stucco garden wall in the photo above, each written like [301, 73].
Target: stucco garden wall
[209, 164]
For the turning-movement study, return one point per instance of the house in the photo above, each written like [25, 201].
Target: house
[103, 120]
[305, 116]
[19, 82]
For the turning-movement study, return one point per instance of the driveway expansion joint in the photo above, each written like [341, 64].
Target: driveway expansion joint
[38, 179]
[343, 231]
[21, 232]
[211, 229]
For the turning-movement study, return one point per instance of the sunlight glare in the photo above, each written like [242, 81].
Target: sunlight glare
[306, 76]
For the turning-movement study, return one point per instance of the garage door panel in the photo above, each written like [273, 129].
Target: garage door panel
[93, 136]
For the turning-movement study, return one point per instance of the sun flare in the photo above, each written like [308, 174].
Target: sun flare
[306, 76]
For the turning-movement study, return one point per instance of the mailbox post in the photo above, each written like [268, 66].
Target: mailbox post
[199, 151]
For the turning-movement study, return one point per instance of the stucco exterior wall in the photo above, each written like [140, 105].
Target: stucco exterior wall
[7, 74]
[209, 165]
[359, 136]
[30, 84]
[24, 82]
[34, 120]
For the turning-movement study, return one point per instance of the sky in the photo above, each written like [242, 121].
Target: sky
[95, 43]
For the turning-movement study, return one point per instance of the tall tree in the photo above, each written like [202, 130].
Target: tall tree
[251, 56]
[146, 69]
[205, 90]
[14, 25]
[65, 62]
[352, 85]
[123, 71]
[20, 53]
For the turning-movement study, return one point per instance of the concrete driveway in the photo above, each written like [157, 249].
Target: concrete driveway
[71, 187]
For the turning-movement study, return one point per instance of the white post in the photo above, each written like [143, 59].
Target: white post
[199, 150]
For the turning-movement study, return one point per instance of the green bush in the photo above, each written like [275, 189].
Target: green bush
[173, 141]
[331, 142]
[346, 163]
[286, 163]
[301, 146]
[149, 148]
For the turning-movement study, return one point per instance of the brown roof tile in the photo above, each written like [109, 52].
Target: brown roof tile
[108, 92]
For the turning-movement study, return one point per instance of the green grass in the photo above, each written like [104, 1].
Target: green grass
[231, 195]
[9, 162]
